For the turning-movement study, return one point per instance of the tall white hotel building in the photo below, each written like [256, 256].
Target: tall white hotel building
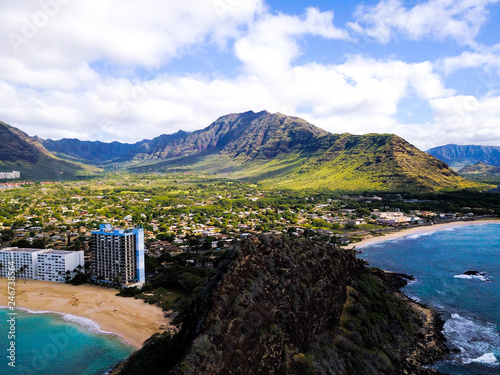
[118, 256]
[40, 264]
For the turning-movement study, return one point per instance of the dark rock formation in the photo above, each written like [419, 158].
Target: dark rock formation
[293, 306]
[471, 273]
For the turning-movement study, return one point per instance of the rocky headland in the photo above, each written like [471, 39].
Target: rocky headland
[282, 305]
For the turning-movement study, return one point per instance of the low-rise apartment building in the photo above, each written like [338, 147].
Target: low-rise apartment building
[40, 264]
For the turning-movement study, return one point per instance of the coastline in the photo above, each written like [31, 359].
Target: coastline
[104, 312]
[431, 345]
[418, 230]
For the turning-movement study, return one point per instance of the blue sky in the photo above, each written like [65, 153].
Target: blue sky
[109, 70]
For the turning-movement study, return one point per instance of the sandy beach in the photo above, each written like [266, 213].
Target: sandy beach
[418, 230]
[133, 320]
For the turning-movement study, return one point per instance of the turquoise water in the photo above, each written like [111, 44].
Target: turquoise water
[469, 304]
[57, 344]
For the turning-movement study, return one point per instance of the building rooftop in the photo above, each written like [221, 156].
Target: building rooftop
[43, 251]
[21, 250]
[108, 229]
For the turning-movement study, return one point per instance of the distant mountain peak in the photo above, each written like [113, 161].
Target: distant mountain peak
[480, 168]
[459, 156]
[19, 151]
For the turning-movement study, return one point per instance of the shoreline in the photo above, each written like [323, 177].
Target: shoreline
[95, 308]
[418, 230]
[86, 323]
[431, 345]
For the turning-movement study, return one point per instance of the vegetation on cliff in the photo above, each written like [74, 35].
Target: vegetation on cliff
[291, 306]
[481, 172]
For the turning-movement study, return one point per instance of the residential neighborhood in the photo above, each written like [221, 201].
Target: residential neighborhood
[183, 217]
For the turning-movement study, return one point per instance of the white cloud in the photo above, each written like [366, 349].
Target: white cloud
[271, 44]
[51, 48]
[53, 85]
[467, 60]
[467, 120]
[122, 33]
[434, 19]
[118, 109]
[360, 96]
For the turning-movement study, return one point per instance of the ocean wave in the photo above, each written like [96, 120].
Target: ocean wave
[481, 277]
[476, 340]
[414, 298]
[374, 245]
[88, 324]
[412, 282]
[31, 311]
[487, 359]
[418, 235]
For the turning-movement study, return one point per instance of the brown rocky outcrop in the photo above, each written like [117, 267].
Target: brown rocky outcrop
[294, 306]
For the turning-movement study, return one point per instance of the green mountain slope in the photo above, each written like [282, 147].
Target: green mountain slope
[20, 152]
[480, 168]
[277, 150]
[287, 152]
[481, 172]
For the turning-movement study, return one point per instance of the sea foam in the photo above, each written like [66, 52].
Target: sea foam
[481, 277]
[476, 340]
[88, 324]
[487, 359]
[417, 235]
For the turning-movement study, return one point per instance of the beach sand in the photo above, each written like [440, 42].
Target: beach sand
[133, 320]
[418, 230]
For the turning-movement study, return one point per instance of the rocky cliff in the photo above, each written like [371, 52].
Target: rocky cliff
[293, 306]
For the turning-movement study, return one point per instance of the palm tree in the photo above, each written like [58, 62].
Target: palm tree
[22, 272]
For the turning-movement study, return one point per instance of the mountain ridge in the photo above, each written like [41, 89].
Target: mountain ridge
[276, 150]
[19, 151]
[460, 156]
[480, 169]
[284, 151]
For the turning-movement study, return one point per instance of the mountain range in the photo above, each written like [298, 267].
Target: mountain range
[460, 156]
[20, 152]
[273, 149]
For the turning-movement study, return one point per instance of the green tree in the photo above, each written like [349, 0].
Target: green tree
[7, 234]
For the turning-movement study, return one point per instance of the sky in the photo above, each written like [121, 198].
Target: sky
[127, 70]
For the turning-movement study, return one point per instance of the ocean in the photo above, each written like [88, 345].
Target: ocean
[469, 304]
[47, 343]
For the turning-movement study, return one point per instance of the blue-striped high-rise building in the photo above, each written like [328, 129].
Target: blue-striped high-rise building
[118, 256]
